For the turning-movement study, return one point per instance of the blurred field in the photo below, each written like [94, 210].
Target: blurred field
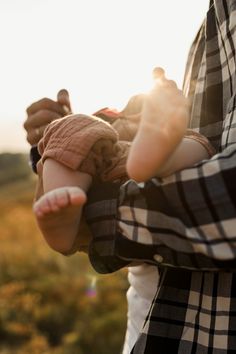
[51, 304]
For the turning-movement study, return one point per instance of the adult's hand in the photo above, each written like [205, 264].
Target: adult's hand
[44, 111]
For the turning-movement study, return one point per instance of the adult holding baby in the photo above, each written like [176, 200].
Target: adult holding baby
[185, 224]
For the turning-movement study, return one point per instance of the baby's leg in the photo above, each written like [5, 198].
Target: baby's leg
[58, 211]
[163, 124]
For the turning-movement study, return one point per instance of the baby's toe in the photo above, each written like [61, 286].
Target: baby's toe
[77, 196]
[62, 197]
[41, 207]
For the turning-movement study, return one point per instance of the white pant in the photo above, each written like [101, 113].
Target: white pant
[143, 281]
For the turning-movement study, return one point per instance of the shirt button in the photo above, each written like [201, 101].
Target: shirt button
[158, 258]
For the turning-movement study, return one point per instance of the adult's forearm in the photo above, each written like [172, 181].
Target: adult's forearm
[186, 220]
[189, 218]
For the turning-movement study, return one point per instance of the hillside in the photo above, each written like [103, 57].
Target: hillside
[13, 167]
[50, 304]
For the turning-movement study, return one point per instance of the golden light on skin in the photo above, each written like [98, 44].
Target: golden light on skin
[102, 51]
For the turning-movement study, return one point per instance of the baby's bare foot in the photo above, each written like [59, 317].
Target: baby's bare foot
[163, 124]
[58, 215]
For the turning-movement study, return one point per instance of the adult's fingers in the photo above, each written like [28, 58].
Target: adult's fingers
[40, 118]
[35, 134]
[63, 99]
[45, 104]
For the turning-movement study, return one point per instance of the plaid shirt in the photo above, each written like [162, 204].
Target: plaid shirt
[186, 223]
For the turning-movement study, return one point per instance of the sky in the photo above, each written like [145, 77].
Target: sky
[101, 51]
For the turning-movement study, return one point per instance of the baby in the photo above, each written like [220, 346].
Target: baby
[78, 148]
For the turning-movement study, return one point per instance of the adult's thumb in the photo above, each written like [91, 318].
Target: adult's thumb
[64, 99]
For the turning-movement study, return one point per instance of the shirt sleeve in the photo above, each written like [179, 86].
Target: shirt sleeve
[187, 220]
[34, 157]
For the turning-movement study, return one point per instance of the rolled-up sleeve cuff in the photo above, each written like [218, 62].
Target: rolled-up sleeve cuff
[101, 216]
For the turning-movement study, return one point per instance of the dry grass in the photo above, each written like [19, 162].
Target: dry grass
[48, 303]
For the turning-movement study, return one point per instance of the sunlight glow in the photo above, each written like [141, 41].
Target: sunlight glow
[101, 51]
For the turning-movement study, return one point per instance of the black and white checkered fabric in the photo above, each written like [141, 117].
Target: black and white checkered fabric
[186, 223]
